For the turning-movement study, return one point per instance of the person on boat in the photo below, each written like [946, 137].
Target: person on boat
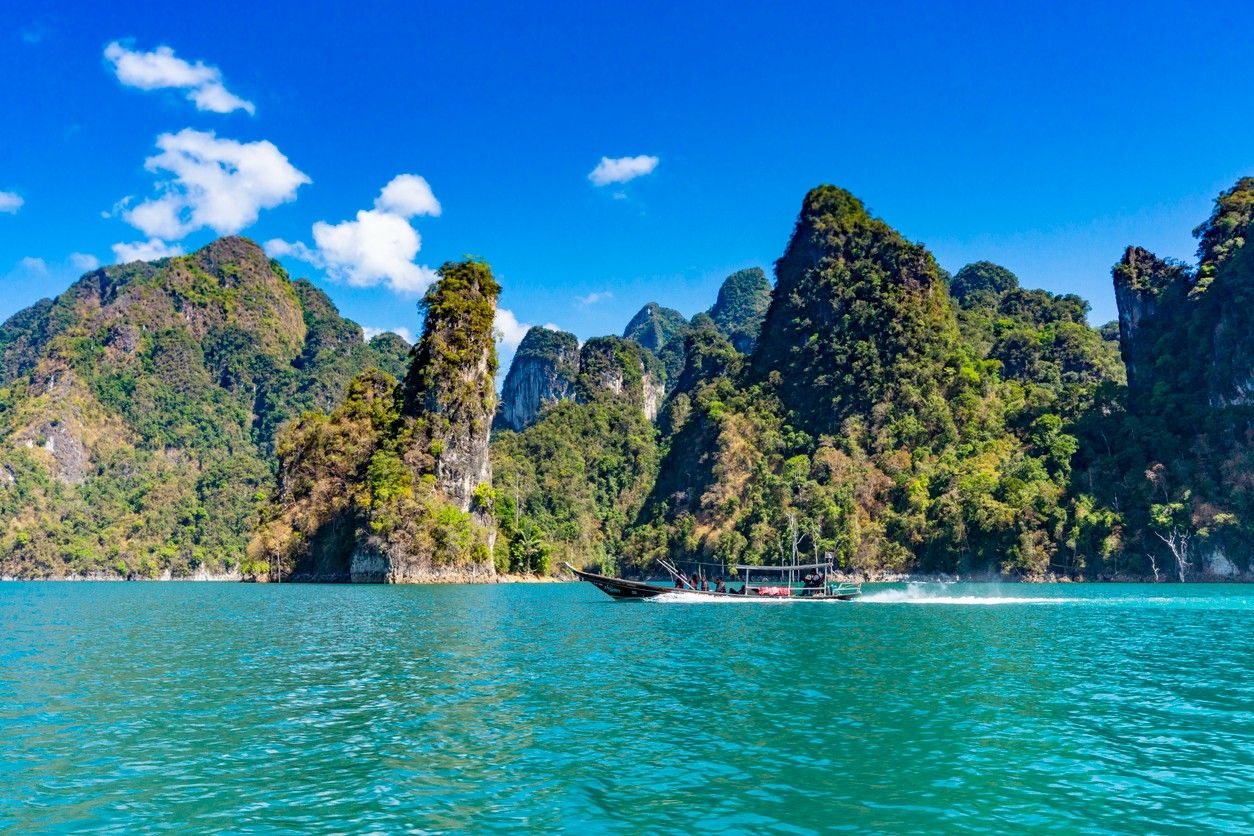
[720, 586]
[679, 582]
[696, 582]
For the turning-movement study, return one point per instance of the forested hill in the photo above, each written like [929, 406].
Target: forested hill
[870, 408]
[138, 410]
[898, 419]
[877, 421]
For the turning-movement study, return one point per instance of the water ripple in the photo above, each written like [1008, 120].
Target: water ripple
[142, 707]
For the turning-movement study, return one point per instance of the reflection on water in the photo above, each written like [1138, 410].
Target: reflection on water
[129, 707]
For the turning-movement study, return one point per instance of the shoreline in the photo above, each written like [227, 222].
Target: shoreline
[228, 577]
[843, 577]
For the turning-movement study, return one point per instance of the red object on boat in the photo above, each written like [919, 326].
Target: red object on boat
[774, 591]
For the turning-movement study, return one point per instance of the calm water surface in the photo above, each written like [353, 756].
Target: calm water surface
[139, 707]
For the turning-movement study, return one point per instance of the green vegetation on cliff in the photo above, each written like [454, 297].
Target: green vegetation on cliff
[654, 326]
[870, 425]
[138, 410]
[870, 408]
[1170, 459]
[742, 302]
[395, 483]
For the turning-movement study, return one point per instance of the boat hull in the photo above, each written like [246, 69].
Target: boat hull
[620, 589]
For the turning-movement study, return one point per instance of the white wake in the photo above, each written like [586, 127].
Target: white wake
[921, 594]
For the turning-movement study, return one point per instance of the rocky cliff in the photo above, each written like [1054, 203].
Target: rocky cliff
[543, 372]
[1143, 283]
[550, 367]
[1180, 471]
[449, 396]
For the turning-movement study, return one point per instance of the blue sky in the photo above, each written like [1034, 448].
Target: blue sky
[1045, 137]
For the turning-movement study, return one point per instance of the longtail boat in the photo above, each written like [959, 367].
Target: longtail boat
[783, 586]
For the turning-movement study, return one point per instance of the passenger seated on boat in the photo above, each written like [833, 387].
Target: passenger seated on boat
[679, 582]
[696, 582]
[720, 587]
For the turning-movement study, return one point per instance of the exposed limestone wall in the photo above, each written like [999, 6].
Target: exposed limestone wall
[543, 372]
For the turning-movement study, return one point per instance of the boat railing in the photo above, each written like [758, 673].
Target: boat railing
[787, 580]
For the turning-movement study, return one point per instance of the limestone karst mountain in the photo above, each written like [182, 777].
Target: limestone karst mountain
[138, 410]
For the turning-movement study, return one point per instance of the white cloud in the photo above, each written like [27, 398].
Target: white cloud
[149, 250]
[162, 69]
[379, 246]
[10, 202]
[594, 298]
[408, 195]
[621, 169]
[84, 261]
[549, 326]
[218, 183]
[48, 273]
[278, 248]
[508, 331]
[369, 332]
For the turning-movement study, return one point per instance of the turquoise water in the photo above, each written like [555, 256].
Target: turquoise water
[137, 707]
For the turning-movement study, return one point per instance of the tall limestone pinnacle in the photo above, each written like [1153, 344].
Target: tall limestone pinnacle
[1143, 282]
[1202, 314]
[450, 388]
[394, 484]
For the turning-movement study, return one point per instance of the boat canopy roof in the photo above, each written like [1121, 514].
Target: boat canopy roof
[827, 565]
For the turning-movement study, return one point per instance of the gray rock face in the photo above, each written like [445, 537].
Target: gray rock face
[543, 372]
[375, 562]
[60, 435]
[1156, 297]
[550, 366]
[653, 391]
[464, 462]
